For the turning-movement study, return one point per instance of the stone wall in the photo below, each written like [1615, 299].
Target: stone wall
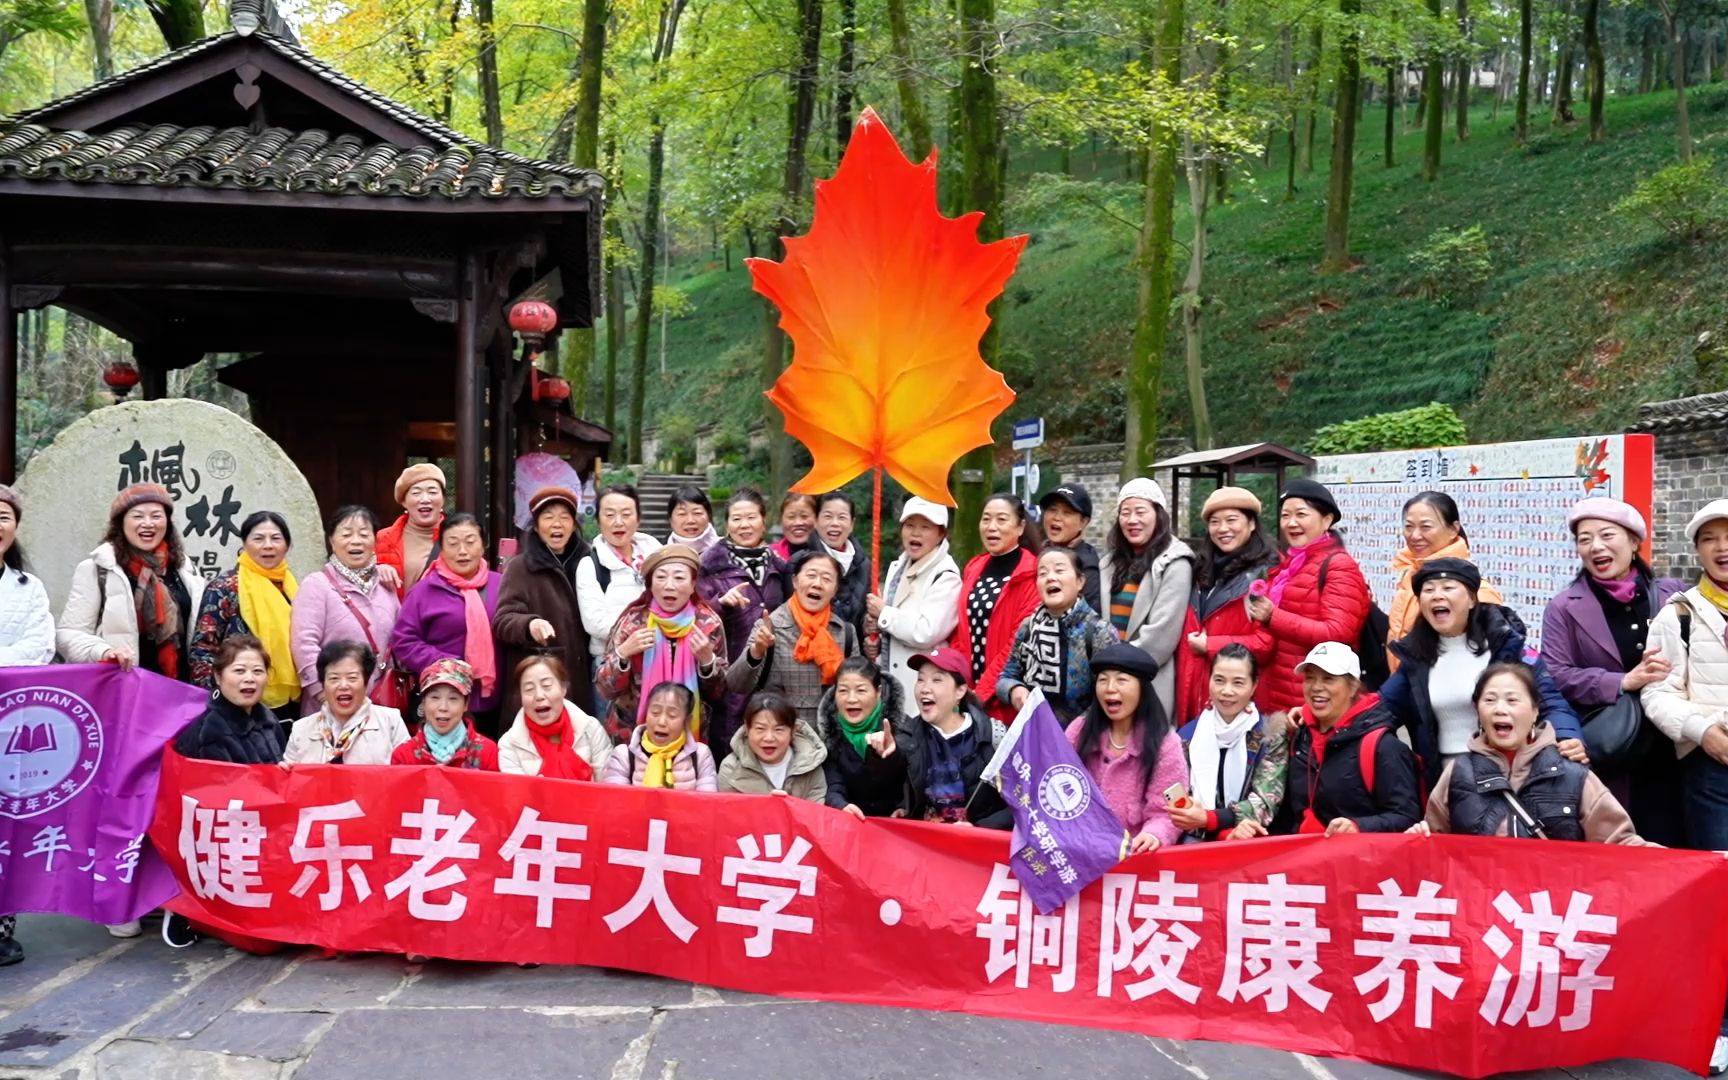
[1691, 469]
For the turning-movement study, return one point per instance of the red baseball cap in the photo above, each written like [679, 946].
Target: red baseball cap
[945, 659]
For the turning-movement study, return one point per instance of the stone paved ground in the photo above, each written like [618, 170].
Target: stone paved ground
[86, 1007]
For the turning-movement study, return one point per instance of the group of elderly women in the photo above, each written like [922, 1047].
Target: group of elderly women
[1215, 692]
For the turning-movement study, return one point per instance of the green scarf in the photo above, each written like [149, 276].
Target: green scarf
[855, 733]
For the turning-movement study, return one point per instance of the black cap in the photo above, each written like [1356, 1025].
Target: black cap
[1312, 492]
[1125, 657]
[1072, 494]
[1460, 570]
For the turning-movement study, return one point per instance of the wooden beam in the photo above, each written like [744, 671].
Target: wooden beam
[470, 445]
[147, 266]
[8, 374]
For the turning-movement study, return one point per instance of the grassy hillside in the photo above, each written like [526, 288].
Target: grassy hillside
[1585, 314]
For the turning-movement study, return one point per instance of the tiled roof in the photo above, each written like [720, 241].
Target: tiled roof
[451, 164]
[1703, 411]
[276, 159]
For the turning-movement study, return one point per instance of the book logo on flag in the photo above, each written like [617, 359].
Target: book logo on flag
[50, 748]
[1063, 792]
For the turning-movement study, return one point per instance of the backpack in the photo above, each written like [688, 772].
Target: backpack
[1366, 749]
[1371, 642]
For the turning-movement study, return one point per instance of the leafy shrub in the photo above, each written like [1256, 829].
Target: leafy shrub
[731, 444]
[1433, 424]
[677, 443]
[1452, 265]
[1683, 198]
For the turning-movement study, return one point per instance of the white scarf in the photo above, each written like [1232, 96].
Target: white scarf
[844, 556]
[1214, 739]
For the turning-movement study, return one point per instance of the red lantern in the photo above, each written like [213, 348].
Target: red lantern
[120, 377]
[533, 319]
[555, 389]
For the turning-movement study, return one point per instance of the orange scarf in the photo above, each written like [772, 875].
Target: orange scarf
[815, 644]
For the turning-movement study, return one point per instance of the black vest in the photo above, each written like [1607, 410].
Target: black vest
[1553, 793]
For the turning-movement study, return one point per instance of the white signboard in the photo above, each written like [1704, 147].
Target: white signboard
[218, 467]
[1512, 500]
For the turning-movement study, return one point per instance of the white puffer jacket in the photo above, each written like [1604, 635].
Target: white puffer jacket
[26, 624]
[1694, 695]
[99, 614]
[518, 754]
[920, 612]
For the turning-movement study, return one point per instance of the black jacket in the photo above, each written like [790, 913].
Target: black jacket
[1553, 794]
[854, 591]
[986, 809]
[537, 585]
[1336, 787]
[873, 784]
[225, 733]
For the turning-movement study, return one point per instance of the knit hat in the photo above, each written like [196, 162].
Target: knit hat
[1459, 570]
[1143, 487]
[1231, 498]
[933, 512]
[682, 553]
[450, 672]
[1072, 494]
[1612, 511]
[1312, 492]
[9, 495]
[551, 494]
[138, 495]
[1716, 510]
[1125, 657]
[414, 474]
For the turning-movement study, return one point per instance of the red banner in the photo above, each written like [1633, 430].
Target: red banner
[1475, 956]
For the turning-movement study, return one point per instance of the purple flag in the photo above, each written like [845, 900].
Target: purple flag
[1065, 834]
[80, 757]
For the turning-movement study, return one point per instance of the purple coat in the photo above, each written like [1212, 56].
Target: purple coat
[432, 626]
[719, 576]
[1579, 649]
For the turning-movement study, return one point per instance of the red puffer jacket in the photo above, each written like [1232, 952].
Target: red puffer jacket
[1306, 617]
[1018, 601]
[1226, 623]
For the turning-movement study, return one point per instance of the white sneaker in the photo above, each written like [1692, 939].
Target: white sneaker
[126, 929]
[1719, 1058]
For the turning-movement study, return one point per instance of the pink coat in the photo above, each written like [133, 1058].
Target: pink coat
[692, 770]
[320, 617]
[1119, 779]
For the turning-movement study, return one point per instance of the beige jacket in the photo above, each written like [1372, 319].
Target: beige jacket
[1605, 820]
[805, 779]
[99, 614]
[1160, 607]
[381, 732]
[517, 753]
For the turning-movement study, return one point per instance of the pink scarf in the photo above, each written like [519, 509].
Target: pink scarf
[1622, 590]
[1294, 561]
[669, 659]
[477, 648]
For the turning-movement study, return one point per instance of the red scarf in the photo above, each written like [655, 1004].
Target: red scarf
[159, 617]
[555, 745]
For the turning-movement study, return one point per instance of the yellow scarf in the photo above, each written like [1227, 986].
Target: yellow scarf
[1713, 592]
[660, 760]
[265, 597]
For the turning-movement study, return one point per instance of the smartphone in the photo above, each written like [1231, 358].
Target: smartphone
[1176, 795]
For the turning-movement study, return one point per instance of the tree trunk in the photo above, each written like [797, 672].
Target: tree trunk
[577, 358]
[1677, 62]
[614, 285]
[801, 92]
[1563, 70]
[491, 103]
[1434, 89]
[1316, 40]
[982, 177]
[1193, 312]
[1391, 134]
[913, 115]
[100, 14]
[1595, 68]
[1525, 17]
[180, 21]
[844, 75]
[1461, 79]
[1154, 259]
[1295, 114]
[1337, 255]
[1647, 59]
[1539, 85]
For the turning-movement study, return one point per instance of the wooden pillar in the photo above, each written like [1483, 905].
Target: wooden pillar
[8, 376]
[470, 394]
[499, 414]
[152, 381]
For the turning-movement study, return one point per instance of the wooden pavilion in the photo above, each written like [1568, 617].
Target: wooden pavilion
[239, 195]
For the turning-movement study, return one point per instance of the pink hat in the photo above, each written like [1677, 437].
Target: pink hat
[945, 659]
[1612, 511]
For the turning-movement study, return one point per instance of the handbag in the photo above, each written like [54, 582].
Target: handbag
[1619, 735]
[395, 688]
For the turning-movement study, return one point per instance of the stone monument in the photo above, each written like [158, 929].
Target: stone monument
[218, 467]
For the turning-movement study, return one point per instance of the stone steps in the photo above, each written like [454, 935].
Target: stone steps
[655, 490]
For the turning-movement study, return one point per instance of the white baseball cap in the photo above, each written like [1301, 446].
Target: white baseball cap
[1334, 658]
[1715, 510]
[933, 512]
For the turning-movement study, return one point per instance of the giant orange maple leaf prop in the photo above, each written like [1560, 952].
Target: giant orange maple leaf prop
[884, 299]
